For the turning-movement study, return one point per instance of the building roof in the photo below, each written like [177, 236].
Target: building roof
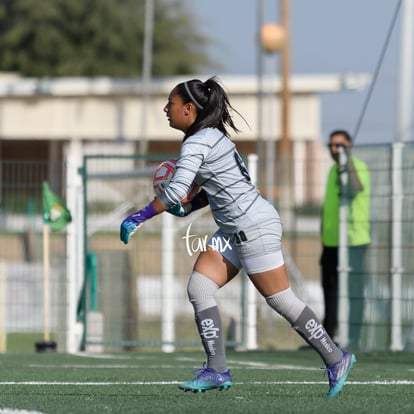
[13, 85]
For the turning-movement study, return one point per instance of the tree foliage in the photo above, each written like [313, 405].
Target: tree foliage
[97, 38]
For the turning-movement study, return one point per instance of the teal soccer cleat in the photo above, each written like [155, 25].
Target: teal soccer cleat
[208, 379]
[338, 373]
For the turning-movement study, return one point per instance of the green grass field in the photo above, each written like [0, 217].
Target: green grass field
[146, 382]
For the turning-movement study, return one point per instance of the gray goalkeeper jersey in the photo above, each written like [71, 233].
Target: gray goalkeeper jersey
[211, 160]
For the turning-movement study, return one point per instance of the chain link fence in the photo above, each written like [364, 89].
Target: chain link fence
[124, 296]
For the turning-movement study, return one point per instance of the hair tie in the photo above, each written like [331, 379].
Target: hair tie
[197, 104]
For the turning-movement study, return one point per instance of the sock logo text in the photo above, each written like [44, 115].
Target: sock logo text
[209, 332]
[317, 331]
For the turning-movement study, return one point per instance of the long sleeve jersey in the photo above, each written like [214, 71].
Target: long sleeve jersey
[211, 160]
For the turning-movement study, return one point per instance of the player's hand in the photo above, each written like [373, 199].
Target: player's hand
[129, 226]
[133, 222]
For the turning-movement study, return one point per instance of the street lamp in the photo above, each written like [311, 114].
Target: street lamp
[275, 38]
[272, 37]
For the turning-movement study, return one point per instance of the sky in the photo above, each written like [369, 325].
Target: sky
[327, 36]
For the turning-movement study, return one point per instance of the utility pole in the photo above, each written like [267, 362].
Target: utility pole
[146, 75]
[285, 143]
[284, 155]
[404, 135]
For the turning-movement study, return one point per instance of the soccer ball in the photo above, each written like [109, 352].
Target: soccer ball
[163, 175]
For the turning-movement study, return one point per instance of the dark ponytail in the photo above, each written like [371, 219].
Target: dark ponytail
[212, 105]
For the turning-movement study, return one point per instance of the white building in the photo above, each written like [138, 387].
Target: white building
[49, 119]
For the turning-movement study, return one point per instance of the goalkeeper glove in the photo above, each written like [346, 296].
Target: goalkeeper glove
[133, 222]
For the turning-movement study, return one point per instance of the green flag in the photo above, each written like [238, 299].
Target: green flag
[55, 213]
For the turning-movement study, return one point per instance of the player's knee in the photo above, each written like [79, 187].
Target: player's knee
[201, 291]
[287, 304]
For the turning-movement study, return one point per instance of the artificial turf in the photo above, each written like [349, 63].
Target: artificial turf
[147, 382]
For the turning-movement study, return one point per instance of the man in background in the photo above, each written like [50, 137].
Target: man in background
[357, 193]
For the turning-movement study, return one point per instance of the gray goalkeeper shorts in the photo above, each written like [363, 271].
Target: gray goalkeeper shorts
[256, 247]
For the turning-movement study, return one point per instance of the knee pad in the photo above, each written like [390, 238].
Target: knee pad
[201, 291]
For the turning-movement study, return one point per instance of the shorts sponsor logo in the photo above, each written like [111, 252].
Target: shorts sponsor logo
[195, 243]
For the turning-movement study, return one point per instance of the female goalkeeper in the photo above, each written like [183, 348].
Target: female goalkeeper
[246, 222]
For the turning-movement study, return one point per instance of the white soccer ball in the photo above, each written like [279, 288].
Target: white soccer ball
[163, 175]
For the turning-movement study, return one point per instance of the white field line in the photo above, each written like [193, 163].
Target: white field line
[242, 364]
[111, 383]
[16, 411]
[107, 366]
[100, 356]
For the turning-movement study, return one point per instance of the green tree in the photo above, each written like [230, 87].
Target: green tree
[97, 38]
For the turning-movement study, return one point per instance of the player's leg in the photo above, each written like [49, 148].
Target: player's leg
[211, 271]
[260, 252]
[274, 286]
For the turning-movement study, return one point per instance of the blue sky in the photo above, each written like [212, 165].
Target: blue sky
[327, 36]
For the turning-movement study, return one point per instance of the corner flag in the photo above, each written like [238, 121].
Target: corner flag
[55, 212]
